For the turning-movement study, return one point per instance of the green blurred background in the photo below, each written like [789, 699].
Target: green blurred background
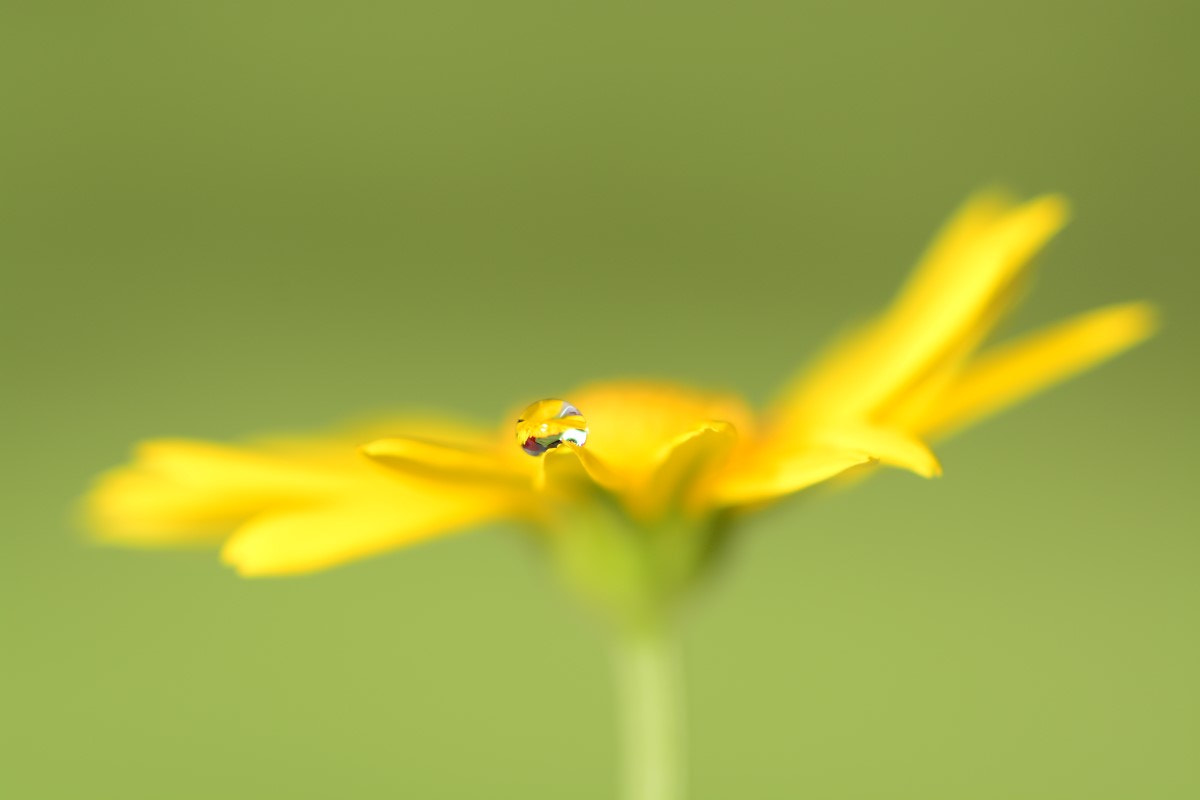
[220, 219]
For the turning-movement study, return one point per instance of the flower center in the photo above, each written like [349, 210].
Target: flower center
[546, 424]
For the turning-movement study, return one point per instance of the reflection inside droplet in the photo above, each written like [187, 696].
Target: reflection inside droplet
[546, 424]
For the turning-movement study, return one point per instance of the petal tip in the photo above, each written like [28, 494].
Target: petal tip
[379, 448]
[1144, 319]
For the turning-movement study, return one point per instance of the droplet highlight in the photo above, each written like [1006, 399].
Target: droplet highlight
[546, 424]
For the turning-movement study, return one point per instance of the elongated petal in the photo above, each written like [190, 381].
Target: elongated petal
[131, 507]
[303, 540]
[891, 447]
[780, 468]
[902, 408]
[181, 490]
[976, 260]
[420, 458]
[292, 505]
[783, 475]
[209, 465]
[1011, 372]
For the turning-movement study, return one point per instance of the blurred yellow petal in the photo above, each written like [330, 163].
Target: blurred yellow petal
[783, 474]
[778, 468]
[137, 508]
[1012, 372]
[420, 458]
[204, 465]
[887, 446]
[973, 262]
[179, 490]
[599, 471]
[684, 470]
[560, 469]
[911, 403]
[303, 540]
[570, 464]
[282, 495]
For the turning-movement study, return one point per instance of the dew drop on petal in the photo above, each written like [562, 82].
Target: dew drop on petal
[546, 424]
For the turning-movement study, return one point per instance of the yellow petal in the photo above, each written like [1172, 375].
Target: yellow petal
[180, 490]
[779, 468]
[137, 508]
[422, 458]
[684, 470]
[887, 446]
[903, 407]
[768, 479]
[208, 465]
[569, 464]
[1009, 373]
[560, 470]
[973, 262]
[303, 540]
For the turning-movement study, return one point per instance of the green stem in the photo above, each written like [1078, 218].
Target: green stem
[650, 702]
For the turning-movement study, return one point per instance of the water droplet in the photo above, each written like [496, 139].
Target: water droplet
[546, 424]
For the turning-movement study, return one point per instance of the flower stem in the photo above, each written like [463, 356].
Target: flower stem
[650, 700]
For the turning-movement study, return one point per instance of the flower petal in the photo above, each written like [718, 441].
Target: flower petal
[780, 468]
[685, 468]
[974, 261]
[421, 458]
[1011, 372]
[181, 490]
[771, 478]
[888, 446]
[571, 464]
[304, 540]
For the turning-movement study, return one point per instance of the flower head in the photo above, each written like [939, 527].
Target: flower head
[656, 455]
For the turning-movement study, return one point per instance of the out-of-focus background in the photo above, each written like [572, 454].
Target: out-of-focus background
[221, 219]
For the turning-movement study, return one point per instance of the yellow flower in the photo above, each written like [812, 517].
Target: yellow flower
[661, 455]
